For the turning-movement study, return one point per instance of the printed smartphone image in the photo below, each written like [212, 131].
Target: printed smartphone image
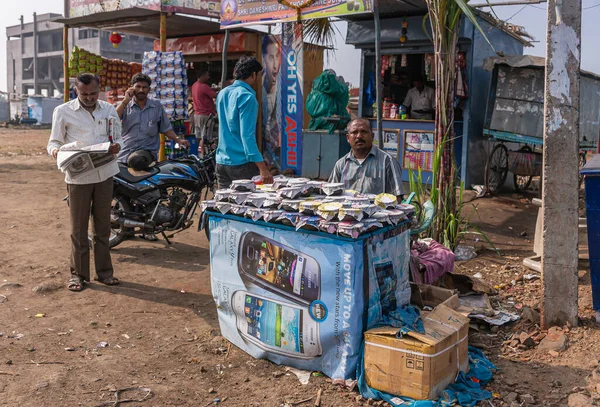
[277, 327]
[279, 268]
[384, 270]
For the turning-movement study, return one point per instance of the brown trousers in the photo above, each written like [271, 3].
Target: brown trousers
[83, 200]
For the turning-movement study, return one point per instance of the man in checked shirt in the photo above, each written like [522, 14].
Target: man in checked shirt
[85, 119]
[366, 168]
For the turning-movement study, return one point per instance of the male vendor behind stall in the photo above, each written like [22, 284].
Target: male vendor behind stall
[420, 100]
[366, 168]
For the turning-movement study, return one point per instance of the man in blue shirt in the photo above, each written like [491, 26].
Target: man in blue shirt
[238, 156]
[143, 120]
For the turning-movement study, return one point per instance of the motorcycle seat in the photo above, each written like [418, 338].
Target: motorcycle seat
[125, 173]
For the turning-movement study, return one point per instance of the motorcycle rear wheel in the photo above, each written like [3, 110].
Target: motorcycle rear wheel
[118, 232]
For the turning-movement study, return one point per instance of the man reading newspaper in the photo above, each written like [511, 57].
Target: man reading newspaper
[86, 136]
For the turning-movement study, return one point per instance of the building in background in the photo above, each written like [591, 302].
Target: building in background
[34, 53]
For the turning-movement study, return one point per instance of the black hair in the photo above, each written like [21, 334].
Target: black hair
[140, 77]
[245, 67]
[87, 78]
[201, 72]
[359, 119]
[268, 40]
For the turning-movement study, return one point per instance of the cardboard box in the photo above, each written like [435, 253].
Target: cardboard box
[418, 366]
[431, 296]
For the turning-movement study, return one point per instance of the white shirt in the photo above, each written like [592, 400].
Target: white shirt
[71, 122]
[420, 101]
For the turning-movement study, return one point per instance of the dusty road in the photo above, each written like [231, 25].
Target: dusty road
[160, 323]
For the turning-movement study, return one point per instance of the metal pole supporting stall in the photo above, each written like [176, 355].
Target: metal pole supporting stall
[378, 73]
[224, 59]
[163, 48]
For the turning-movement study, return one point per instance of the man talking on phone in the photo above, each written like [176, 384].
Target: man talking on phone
[238, 156]
[143, 119]
[85, 119]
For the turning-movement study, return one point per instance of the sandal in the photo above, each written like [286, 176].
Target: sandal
[108, 281]
[75, 284]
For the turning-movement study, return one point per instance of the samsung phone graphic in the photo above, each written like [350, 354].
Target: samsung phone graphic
[281, 328]
[278, 268]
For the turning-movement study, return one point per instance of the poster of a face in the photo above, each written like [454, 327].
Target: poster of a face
[271, 99]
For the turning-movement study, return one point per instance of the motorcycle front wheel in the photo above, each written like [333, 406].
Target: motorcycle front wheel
[118, 232]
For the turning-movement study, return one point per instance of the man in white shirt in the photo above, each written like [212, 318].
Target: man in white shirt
[420, 100]
[85, 119]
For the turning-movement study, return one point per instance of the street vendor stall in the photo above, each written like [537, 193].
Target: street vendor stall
[407, 55]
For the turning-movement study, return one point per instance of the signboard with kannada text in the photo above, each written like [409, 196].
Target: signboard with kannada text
[238, 13]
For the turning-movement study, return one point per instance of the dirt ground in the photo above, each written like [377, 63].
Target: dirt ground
[161, 324]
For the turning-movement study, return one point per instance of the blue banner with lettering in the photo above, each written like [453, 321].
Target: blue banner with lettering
[292, 100]
[304, 299]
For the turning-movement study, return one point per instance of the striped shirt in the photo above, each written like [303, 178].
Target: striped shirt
[71, 122]
[378, 173]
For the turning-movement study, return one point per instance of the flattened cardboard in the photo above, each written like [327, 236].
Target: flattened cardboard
[418, 366]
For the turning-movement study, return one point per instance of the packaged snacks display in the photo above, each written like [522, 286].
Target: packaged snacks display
[297, 181]
[223, 207]
[396, 216]
[408, 209]
[309, 207]
[350, 214]
[292, 192]
[222, 195]
[239, 210]
[208, 205]
[171, 81]
[382, 217]
[272, 201]
[272, 215]
[254, 213]
[352, 200]
[369, 209]
[328, 226]
[290, 205]
[308, 222]
[332, 189]
[256, 199]
[238, 197]
[315, 186]
[386, 201]
[243, 185]
[328, 211]
[280, 182]
[371, 224]
[288, 218]
[351, 229]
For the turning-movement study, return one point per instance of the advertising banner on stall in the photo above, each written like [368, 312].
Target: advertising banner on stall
[304, 299]
[271, 99]
[80, 8]
[238, 13]
[292, 99]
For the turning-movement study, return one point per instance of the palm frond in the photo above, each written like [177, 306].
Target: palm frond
[318, 34]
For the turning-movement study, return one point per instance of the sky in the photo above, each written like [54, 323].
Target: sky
[532, 17]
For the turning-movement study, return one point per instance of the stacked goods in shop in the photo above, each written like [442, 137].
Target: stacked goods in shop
[311, 205]
[169, 81]
[117, 74]
[135, 68]
[83, 61]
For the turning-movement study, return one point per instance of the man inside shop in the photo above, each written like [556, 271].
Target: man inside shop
[204, 105]
[238, 156]
[366, 168]
[143, 120]
[420, 100]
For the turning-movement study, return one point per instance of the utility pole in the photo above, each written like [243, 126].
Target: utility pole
[560, 191]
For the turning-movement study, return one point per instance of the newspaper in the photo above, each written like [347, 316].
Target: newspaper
[78, 160]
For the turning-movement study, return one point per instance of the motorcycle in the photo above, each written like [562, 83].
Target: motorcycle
[163, 200]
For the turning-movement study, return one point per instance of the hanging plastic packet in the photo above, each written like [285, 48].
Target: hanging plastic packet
[386, 201]
[254, 213]
[243, 185]
[290, 205]
[351, 214]
[239, 197]
[351, 229]
[223, 207]
[332, 189]
[288, 218]
[371, 224]
[208, 205]
[280, 182]
[309, 207]
[272, 201]
[239, 210]
[222, 195]
[329, 211]
[256, 199]
[308, 222]
[272, 215]
[328, 226]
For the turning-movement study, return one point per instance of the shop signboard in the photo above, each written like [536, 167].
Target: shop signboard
[292, 99]
[81, 8]
[303, 299]
[271, 98]
[238, 13]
